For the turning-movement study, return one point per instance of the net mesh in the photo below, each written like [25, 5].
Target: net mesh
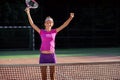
[67, 71]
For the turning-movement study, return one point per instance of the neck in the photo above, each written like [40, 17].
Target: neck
[48, 29]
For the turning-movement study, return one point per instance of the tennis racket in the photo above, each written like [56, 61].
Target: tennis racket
[31, 4]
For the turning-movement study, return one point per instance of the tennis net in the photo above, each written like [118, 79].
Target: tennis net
[63, 71]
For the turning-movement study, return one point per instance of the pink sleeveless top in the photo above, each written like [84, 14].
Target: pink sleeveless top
[48, 40]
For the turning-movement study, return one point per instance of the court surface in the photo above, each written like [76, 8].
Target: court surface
[63, 56]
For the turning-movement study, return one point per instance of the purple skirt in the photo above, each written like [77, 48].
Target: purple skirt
[47, 58]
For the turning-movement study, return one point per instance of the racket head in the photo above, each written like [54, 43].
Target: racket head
[31, 4]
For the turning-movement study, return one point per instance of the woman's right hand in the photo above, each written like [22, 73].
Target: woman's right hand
[27, 10]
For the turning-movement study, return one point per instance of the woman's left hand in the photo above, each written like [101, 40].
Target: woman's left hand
[71, 15]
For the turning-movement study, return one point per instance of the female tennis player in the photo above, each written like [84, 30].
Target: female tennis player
[47, 49]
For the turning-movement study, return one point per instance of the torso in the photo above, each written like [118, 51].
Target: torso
[48, 41]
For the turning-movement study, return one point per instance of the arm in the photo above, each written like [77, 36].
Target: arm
[65, 24]
[27, 10]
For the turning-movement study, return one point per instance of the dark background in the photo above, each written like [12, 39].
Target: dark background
[96, 22]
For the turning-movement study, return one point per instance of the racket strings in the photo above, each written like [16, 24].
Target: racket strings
[31, 4]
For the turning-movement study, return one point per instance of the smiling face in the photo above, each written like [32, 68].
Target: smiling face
[48, 23]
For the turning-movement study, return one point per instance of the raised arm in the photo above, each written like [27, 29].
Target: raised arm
[65, 24]
[27, 10]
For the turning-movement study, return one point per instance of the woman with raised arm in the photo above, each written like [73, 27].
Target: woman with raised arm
[47, 49]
